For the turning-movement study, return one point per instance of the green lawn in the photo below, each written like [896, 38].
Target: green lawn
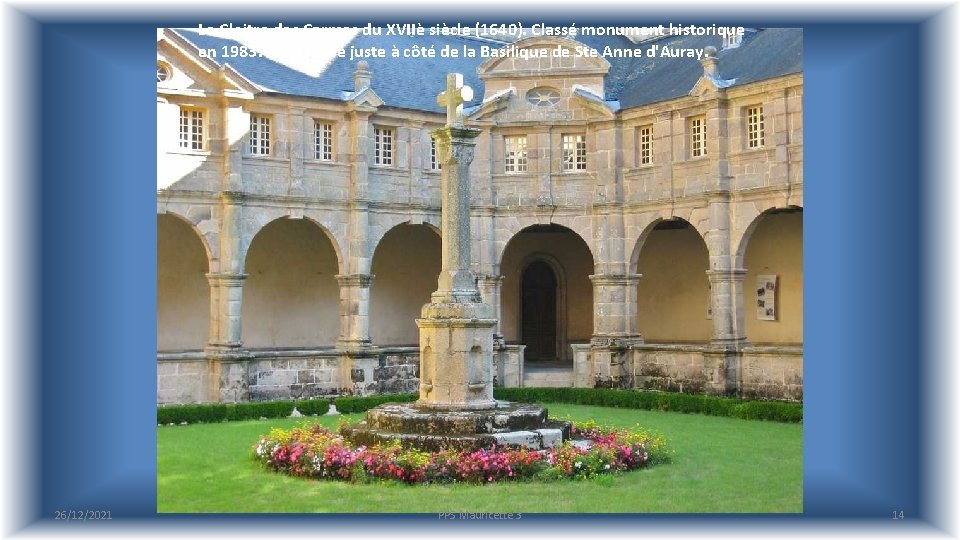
[719, 465]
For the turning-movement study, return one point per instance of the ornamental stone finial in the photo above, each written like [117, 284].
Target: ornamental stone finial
[453, 98]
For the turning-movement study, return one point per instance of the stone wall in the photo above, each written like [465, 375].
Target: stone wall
[398, 370]
[182, 378]
[753, 373]
[301, 374]
[772, 373]
[678, 368]
[187, 377]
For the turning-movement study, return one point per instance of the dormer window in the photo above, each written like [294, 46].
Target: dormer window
[543, 96]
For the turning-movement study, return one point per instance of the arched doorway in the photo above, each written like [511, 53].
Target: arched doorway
[547, 296]
[539, 312]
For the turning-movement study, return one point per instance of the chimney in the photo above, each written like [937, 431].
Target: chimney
[710, 62]
[362, 76]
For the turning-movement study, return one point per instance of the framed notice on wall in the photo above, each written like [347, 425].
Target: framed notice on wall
[767, 297]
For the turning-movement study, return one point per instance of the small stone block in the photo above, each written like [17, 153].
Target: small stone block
[550, 437]
[528, 439]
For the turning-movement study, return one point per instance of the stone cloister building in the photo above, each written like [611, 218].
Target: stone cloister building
[637, 222]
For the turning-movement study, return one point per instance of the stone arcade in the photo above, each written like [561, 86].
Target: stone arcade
[634, 222]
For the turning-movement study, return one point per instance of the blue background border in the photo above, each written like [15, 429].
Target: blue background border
[96, 335]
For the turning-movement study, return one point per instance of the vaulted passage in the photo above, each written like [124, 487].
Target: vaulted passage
[405, 264]
[183, 293]
[774, 262]
[291, 297]
[673, 296]
[547, 296]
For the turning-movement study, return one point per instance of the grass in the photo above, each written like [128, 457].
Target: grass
[719, 465]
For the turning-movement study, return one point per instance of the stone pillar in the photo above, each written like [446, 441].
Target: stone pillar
[226, 302]
[614, 328]
[456, 328]
[359, 358]
[297, 129]
[726, 300]
[226, 357]
[490, 294]
[354, 311]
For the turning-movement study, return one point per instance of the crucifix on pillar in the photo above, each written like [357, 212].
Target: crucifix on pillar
[453, 99]
[456, 327]
[455, 152]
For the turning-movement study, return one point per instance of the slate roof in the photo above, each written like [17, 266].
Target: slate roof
[412, 83]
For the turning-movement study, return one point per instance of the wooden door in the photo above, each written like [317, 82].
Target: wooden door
[539, 312]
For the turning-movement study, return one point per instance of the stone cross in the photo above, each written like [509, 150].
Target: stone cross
[453, 99]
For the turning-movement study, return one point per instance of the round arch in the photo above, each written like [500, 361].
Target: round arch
[771, 252]
[262, 221]
[406, 264]
[183, 292]
[744, 239]
[291, 297]
[571, 261]
[518, 226]
[673, 294]
[648, 230]
[211, 257]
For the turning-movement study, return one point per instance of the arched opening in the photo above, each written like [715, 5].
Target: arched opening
[406, 264]
[538, 312]
[773, 286]
[546, 268]
[183, 293]
[291, 297]
[673, 296]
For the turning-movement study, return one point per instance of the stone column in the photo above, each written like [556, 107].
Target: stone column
[226, 302]
[726, 300]
[298, 128]
[358, 357]
[226, 357]
[490, 294]
[614, 328]
[354, 311]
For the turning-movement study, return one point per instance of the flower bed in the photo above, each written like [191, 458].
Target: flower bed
[314, 451]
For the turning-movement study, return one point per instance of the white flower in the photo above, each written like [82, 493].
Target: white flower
[607, 466]
[578, 464]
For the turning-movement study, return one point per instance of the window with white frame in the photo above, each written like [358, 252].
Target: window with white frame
[434, 164]
[259, 135]
[191, 128]
[755, 126]
[383, 146]
[322, 140]
[698, 136]
[515, 154]
[645, 144]
[574, 153]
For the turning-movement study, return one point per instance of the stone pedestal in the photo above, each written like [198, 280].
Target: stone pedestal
[456, 362]
[507, 424]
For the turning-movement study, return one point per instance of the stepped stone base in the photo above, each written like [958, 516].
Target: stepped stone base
[429, 429]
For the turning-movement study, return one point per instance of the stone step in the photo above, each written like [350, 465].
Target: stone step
[548, 379]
